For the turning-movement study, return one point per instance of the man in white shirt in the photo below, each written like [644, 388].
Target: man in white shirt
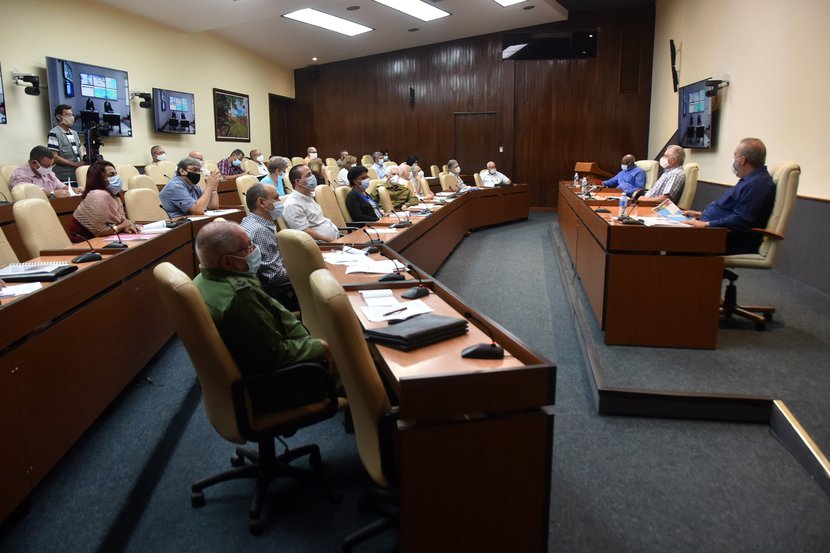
[378, 165]
[670, 184]
[301, 212]
[492, 178]
[257, 156]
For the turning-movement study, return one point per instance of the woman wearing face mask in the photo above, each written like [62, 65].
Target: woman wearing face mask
[362, 208]
[101, 209]
[343, 175]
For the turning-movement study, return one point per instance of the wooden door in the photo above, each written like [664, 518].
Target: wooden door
[476, 140]
[278, 114]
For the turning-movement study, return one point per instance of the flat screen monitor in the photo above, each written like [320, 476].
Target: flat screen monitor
[2, 100]
[99, 96]
[696, 123]
[174, 111]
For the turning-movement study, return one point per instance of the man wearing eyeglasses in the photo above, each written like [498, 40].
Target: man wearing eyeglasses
[259, 332]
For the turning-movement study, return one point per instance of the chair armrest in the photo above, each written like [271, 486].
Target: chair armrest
[347, 229]
[767, 233]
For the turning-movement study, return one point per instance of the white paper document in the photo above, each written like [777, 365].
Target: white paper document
[346, 256]
[389, 313]
[369, 265]
[19, 289]
[662, 222]
[384, 230]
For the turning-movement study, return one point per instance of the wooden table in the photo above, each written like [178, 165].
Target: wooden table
[647, 286]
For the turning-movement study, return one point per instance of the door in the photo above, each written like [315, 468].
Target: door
[476, 140]
[278, 114]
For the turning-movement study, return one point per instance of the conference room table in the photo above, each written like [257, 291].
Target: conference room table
[647, 286]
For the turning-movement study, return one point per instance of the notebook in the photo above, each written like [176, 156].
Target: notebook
[35, 272]
[417, 331]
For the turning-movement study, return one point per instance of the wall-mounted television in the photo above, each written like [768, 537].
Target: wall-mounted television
[99, 96]
[696, 116]
[174, 111]
[2, 100]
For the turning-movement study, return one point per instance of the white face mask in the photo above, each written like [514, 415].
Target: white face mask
[624, 167]
[43, 170]
[492, 171]
[734, 167]
[161, 157]
[312, 155]
[393, 179]
[68, 120]
[457, 170]
[260, 158]
[664, 162]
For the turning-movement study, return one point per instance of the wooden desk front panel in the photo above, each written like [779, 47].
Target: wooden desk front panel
[568, 224]
[479, 485]
[14, 478]
[590, 266]
[681, 306]
[498, 205]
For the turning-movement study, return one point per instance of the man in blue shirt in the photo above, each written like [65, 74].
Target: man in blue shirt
[629, 179]
[378, 165]
[745, 206]
[182, 195]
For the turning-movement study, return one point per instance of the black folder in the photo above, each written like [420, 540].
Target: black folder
[418, 331]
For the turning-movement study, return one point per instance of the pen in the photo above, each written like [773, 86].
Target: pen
[395, 311]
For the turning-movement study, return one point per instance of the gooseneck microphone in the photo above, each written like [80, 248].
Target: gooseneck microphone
[483, 351]
[401, 223]
[375, 242]
[394, 276]
[416, 291]
[86, 257]
[171, 223]
[117, 245]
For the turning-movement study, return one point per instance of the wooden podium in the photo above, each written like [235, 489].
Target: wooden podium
[591, 170]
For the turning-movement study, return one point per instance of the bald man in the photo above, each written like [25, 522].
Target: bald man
[630, 178]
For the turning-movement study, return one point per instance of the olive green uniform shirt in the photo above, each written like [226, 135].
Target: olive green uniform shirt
[399, 195]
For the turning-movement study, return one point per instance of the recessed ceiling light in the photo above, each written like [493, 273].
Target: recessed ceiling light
[315, 59]
[329, 22]
[506, 3]
[415, 8]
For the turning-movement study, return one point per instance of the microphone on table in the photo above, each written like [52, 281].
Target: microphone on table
[375, 241]
[483, 351]
[86, 257]
[416, 291]
[171, 223]
[391, 277]
[401, 223]
[118, 245]
[632, 203]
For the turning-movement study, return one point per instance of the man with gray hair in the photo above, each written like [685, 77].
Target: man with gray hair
[378, 165]
[276, 166]
[182, 195]
[454, 169]
[261, 335]
[670, 184]
[158, 154]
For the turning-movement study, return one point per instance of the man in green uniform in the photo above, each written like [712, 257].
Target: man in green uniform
[261, 335]
[399, 193]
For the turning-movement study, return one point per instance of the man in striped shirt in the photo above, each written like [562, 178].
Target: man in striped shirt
[670, 184]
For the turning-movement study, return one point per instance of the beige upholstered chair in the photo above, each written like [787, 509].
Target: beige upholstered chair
[331, 175]
[367, 160]
[243, 183]
[650, 168]
[371, 410]
[7, 254]
[6, 175]
[142, 181]
[142, 205]
[384, 200]
[27, 190]
[154, 172]
[127, 172]
[389, 163]
[297, 160]
[250, 166]
[373, 185]
[80, 175]
[424, 187]
[168, 170]
[373, 174]
[39, 226]
[434, 171]
[227, 400]
[785, 176]
[302, 256]
[690, 170]
[326, 199]
[449, 183]
[331, 162]
[210, 166]
[286, 183]
[340, 193]
[446, 169]
[477, 179]
[281, 224]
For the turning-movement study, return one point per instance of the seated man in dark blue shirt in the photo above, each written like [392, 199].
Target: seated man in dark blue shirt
[747, 205]
[630, 179]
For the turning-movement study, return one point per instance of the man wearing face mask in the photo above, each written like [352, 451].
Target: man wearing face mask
[38, 171]
[232, 165]
[182, 195]
[746, 205]
[65, 143]
[264, 208]
[276, 169]
[491, 177]
[257, 156]
[399, 193]
[311, 153]
[378, 165]
[301, 212]
[670, 184]
[158, 154]
[630, 178]
[261, 335]
[455, 169]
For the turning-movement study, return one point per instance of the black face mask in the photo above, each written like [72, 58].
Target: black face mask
[193, 177]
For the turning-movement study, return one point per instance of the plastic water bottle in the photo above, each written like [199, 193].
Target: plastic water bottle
[584, 186]
[623, 206]
[576, 180]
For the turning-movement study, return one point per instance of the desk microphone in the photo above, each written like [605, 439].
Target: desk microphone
[86, 257]
[171, 223]
[391, 277]
[401, 223]
[632, 203]
[483, 351]
[416, 291]
[118, 245]
[374, 242]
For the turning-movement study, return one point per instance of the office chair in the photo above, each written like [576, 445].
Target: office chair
[650, 167]
[384, 199]
[433, 170]
[449, 183]
[297, 160]
[690, 171]
[127, 172]
[210, 166]
[28, 190]
[142, 181]
[477, 179]
[168, 170]
[7, 254]
[340, 193]
[5, 175]
[154, 172]
[367, 160]
[327, 200]
[373, 416]
[301, 256]
[227, 397]
[250, 166]
[142, 204]
[80, 175]
[243, 183]
[39, 226]
[785, 176]
[373, 173]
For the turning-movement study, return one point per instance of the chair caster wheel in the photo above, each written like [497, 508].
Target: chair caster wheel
[237, 460]
[197, 499]
[760, 327]
[255, 526]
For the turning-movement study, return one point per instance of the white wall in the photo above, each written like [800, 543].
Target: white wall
[776, 55]
[154, 56]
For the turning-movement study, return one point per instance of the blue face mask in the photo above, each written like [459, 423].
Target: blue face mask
[311, 182]
[114, 184]
[624, 167]
[254, 260]
[236, 163]
[364, 184]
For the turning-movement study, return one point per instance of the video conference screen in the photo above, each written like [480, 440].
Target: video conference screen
[99, 96]
[174, 111]
[695, 116]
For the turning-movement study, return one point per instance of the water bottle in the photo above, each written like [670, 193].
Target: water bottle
[576, 180]
[623, 206]
[584, 186]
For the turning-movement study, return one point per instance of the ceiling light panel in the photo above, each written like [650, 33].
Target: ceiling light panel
[506, 3]
[328, 22]
[415, 8]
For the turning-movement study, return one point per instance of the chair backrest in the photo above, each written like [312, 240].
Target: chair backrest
[210, 166]
[331, 162]
[785, 175]
[446, 168]
[433, 169]
[331, 175]
[389, 163]
[477, 179]
[424, 187]
[368, 400]
[297, 160]
[367, 160]
[250, 166]
[39, 226]
[373, 174]
[690, 170]
[324, 195]
[448, 182]
[80, 175]
[168, 170]
[154, 172]
[243, 183]
[340, 193]
[286, 183]
[142, 204]
[127, 172]
[6, 173]
[7, 254]
[28, 190]
[214, 365]
[384, 199]
[142, 181]
[373, 185]
[649, 167]
[302, 256]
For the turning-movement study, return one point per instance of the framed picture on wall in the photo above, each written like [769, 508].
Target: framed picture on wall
[2, 100]
[231, 116]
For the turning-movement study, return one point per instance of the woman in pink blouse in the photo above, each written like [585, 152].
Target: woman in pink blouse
[101, 207]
